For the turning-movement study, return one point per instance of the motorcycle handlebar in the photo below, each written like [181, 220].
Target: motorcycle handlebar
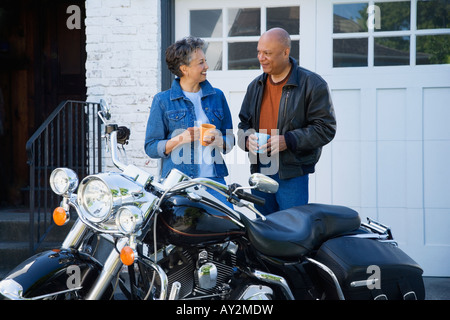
[114, 155]
[117, 135]
[121, 135]
[251, 197]
[241, 194]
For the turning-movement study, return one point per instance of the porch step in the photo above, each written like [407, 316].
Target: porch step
[13, 253]
[14, 237]
[15, 226]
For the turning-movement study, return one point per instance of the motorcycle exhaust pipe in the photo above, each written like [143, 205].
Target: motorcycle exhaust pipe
[275, 280]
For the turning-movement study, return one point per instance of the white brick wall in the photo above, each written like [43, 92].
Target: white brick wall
[123, 65]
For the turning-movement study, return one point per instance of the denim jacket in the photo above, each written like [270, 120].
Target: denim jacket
[171, 113]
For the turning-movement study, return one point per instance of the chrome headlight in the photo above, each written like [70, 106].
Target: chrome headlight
[101, 195]
[63, 180]
[129, 219]
[95, 198]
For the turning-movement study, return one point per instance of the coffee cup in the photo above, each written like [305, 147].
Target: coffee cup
[262, 140]
[204, 129]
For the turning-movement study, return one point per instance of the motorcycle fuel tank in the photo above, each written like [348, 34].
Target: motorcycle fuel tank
[186, 221]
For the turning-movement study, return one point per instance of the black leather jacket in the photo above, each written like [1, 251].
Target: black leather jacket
[306, 118]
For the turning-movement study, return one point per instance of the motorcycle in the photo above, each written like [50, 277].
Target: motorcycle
[170, 239]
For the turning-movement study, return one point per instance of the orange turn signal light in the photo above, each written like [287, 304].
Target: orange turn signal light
[127, 256]
[60, 216]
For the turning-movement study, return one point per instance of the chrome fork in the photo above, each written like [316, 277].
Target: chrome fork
[75, 235]
[110, 269]
[111, 266]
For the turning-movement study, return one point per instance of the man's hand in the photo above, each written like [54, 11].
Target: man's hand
[275, 145]
[252, 144]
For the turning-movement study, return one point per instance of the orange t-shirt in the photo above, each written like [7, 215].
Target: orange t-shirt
[270, 104]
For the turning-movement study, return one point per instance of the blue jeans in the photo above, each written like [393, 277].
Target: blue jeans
[291, 193]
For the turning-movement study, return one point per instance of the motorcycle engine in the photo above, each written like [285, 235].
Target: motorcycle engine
[201, 272]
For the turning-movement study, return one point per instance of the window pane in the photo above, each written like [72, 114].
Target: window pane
[206, 23]
[244, 22]
[433, 14]
[350, 17]
[287, 18]
[242, 56]
[295, 50]
[350, 52]
[213, 53]
[391, 51]
[433, 49]
[393, 16]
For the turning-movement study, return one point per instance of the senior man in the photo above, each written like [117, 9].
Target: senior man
[294, 106]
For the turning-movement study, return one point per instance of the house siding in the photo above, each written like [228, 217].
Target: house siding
[123, 65]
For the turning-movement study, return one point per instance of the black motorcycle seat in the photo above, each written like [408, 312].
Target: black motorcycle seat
[294, 232]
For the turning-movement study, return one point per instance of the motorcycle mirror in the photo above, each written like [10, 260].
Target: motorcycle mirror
[263, 183]
[105, 111]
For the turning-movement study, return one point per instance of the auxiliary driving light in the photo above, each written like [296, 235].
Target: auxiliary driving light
[63, 180]
[129, 219]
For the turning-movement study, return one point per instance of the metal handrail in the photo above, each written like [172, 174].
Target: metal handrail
[69, 137]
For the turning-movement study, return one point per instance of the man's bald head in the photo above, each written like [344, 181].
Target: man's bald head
[279, 35]
[274, 47]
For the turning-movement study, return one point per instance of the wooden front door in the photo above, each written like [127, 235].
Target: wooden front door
[42, 62]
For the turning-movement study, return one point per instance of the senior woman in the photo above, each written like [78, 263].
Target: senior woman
[173, 132]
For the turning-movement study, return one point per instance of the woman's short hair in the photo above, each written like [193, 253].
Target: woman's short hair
[179, 53]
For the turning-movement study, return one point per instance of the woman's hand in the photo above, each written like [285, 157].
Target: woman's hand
[213, 137]
[187, 136]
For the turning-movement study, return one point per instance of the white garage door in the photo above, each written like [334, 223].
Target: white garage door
[387, 64]
[232, 30]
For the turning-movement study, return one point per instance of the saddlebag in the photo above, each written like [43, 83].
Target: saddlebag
[369, 269]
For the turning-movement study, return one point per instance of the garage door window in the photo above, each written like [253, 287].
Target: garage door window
[232, 34]
[391, 33]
